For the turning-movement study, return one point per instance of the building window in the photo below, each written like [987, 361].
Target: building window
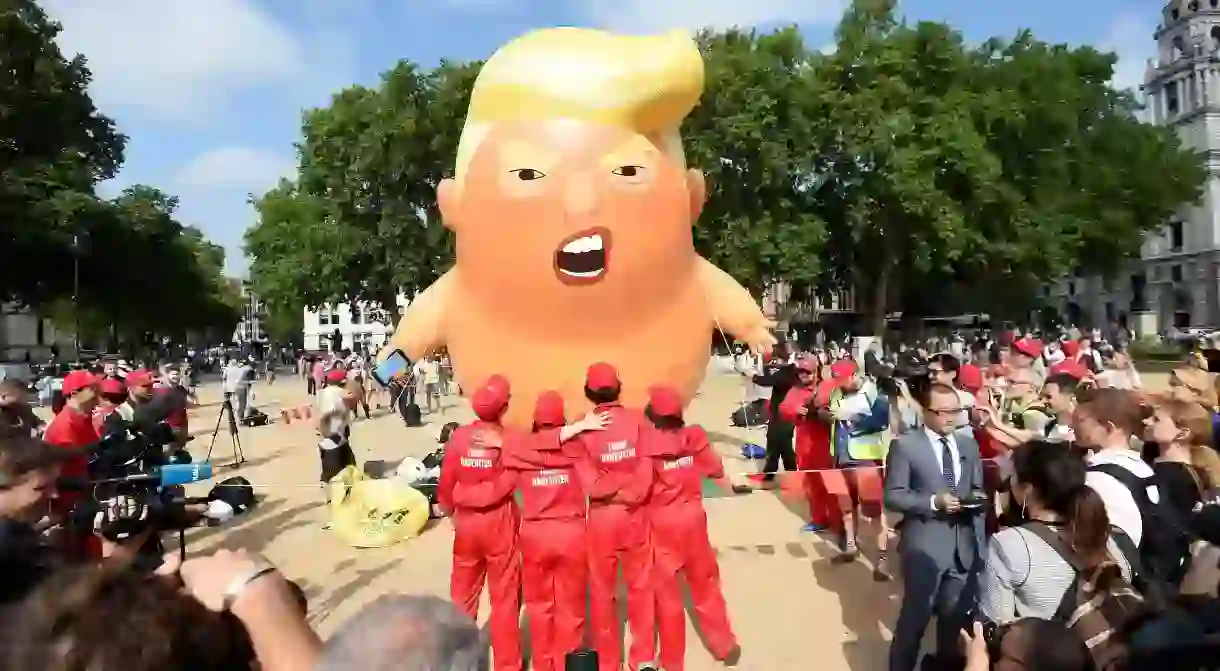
[1175, 273]
[1171, 97]
[1176, 237]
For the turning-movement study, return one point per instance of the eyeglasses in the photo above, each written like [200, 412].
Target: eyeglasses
[945, 412]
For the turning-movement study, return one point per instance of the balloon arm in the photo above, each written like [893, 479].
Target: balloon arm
[733, 308]
[422, 326]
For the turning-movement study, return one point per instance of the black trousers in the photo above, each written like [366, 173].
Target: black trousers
[779, 448]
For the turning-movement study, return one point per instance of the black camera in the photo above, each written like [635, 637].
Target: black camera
[126, 492]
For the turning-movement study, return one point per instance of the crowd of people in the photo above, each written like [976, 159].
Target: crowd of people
[1048, 512]
[1025, 482]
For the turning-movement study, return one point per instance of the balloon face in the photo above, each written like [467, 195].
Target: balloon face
[567, 211]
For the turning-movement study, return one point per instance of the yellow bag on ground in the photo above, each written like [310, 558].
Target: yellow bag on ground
[371, 513]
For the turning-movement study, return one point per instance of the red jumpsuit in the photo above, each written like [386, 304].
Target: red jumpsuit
[617, 478]
[477, 491]
[813, 449]
[554, 569]
[682, 458]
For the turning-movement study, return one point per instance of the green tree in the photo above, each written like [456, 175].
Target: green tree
[54, 147]
[943, 166]
[760, 223]
[361, 221]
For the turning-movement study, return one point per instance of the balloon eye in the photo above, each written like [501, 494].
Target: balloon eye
[628, 170]
[528, 174]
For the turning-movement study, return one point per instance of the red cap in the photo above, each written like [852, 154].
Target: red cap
[139, 378]
[1071, 348]
[488, 403]
[111, 385]
[602, 376]
[499, 383]
[548, 410]
[336, 375]
[970, 378]
[77, 380]
[1071, 367]
[844, 369]
[1029, 347]
[663, 401]
[808, 364]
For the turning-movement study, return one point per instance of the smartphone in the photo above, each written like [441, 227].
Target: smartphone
[391, 367]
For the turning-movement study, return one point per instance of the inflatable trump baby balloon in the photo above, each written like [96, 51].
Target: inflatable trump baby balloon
[572, 209]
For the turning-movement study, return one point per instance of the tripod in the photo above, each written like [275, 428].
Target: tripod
[226, 410]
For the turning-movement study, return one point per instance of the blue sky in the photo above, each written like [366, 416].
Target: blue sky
[211, 91]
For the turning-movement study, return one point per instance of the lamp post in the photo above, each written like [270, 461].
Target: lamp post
[76, 293]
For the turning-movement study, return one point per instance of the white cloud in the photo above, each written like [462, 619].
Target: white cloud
[652, 16]
[245, 168]
[177, 59]
[1129, 35]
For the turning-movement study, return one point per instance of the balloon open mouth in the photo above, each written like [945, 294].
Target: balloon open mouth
[582, 258]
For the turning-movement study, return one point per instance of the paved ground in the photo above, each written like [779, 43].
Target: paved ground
[791, 607]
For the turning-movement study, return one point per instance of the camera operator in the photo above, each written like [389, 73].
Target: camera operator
[780, 376]
[28, 470]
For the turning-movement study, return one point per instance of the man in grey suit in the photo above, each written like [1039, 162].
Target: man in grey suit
[930, 472]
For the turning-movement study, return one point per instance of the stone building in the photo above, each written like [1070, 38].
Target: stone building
[1176, 281]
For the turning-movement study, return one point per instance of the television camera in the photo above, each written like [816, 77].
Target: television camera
[134, 489]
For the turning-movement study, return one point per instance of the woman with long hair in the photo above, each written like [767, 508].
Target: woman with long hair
[1025, 576]
[1184, 464]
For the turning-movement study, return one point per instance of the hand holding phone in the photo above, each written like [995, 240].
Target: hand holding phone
[391, 367]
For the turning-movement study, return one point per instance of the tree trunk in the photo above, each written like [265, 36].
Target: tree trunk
[878, 300]
[388, 300]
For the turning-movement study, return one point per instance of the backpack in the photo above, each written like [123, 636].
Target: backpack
[1105, 621]
[1160, 548]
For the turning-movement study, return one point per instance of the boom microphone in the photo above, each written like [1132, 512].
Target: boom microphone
[169, 475]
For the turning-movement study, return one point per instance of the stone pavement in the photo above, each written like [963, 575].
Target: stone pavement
[791, 607]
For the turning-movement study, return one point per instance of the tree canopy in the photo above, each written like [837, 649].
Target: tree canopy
[907, 164]
[130, 266]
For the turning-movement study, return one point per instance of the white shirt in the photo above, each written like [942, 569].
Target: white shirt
[938, 450]
[333, 409]
[1120, 505]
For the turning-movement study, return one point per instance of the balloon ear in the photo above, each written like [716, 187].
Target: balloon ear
[447, 201]
[697, 187]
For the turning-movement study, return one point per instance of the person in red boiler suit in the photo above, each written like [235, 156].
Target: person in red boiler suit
[805, 406]
[617, 477]
[683, 456]
[476, 490]
[554, 568]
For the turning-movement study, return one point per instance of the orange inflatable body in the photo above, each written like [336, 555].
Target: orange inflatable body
[572, 209]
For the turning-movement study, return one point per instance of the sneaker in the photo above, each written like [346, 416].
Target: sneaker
[812, 528]
[327, 527]
[849, 551]
[733, 658]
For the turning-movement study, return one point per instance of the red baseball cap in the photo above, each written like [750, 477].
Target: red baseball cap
[111, 385]
[844, 369]
[488, 403]
[970, 378]
[664, 401]
[139, 378]
[1071, 367]
[1029, 347]
[336, 375]
[500, 383]
[77, 380]
[1071, 348]
[548, 410]
[602, 376]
